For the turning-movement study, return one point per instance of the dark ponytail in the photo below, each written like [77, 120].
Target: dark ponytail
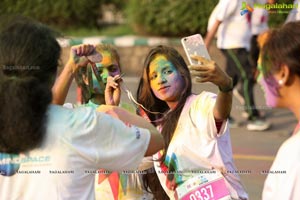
[23, 106]
[29, 56]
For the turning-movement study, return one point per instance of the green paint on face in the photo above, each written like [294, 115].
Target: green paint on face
[166, 81]
[264, 65]
[108, 66]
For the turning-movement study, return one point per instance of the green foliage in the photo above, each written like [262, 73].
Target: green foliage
[169, 17]
[59, 13]
[112, 31]
[275, 17]
[119, 4]
[148, 17]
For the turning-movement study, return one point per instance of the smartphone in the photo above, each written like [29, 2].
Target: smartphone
[194, 45]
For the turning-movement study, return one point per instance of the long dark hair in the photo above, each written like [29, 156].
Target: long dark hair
[146, 97]
[29, 55]
[82, 71]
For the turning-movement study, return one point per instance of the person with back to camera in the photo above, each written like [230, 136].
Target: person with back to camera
[194, 127]
[279, 67]
[99, 81]
[48, 151]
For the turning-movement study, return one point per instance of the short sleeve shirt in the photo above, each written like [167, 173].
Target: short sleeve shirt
[77, 143]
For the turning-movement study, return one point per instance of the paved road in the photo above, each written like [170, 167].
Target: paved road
[253, 151]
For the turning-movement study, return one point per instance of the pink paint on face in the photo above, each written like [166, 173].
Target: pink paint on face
[165, 81]
[270, 87]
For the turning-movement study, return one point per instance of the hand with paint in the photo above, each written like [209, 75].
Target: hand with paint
[209, 71]
[112, 90]
[80, 55]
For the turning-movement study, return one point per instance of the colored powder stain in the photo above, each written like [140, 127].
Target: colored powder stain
[114, 184]
[158, 66]
[106, 59]
[160, 61]
[270, 87]
[117, 182]
[123, 182]
[96, 86]
[172, 165]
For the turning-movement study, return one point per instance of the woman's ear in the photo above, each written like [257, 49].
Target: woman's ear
[284, 74]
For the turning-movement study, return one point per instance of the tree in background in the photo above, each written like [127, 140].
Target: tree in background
[59, 14]
[169, 17]
[146, 17]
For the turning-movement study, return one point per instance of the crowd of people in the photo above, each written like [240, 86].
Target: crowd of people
[180, 141]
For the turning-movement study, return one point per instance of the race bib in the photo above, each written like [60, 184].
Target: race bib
[204, 187]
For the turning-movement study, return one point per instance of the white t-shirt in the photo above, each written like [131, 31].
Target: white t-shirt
[234, 31]
[294, 14]
[212, 18]
[196, 145]
[77, 143]
[117, 186]
[283, 180]
[259, 18]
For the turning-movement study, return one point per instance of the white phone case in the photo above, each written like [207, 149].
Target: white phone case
[194, 45]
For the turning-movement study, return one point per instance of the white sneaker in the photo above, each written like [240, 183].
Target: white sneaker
[258, 125]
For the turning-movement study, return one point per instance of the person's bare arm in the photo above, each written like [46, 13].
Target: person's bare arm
[223, 103]
[62, 85]
[211, 33]
[209, 71]
[63, 82]
[156, 140]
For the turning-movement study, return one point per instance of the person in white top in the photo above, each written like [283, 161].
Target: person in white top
[97, 73]
[232, 26]
[48, 151]
[194, 126]
[259, 24]
[280, 78]
[294, 14]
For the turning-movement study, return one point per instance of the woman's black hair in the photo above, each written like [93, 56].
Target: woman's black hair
[146, 97]
[29, 55]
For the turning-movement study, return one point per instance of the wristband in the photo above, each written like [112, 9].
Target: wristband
[228, 88]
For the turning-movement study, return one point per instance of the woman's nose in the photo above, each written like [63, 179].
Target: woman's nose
[161, 79]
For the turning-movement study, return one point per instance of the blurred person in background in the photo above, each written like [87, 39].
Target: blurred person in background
[279, 67]
[230, 20]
